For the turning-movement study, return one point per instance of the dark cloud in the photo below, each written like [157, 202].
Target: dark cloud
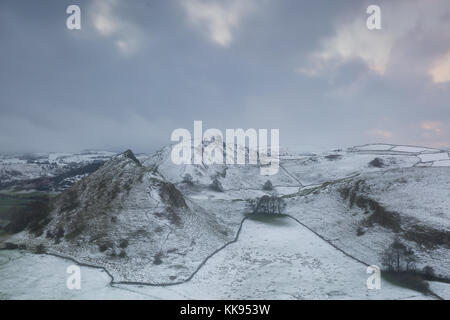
[138, 70]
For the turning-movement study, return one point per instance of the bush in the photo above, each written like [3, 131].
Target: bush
[10, 246]
[377, 163]
[60, 232]
[188, 179]
[216, 185]
[268, 186]
[104, 246]
[428, 272]
[74, 233]
[360, 231]
[398, 257]
[40, 249]
[171, 195]
[123, 243]
[69, 200]
[157, 259]
[122, 254]
[332, 157]
[173, 216]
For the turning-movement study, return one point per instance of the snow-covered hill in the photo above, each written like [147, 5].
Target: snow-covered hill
[127, 218]
[148, 220]
[363, 215]
[48, 171]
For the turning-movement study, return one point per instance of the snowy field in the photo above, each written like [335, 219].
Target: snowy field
[169, 232]
[277, 259]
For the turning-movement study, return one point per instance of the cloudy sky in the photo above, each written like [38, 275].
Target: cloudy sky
[139, 69]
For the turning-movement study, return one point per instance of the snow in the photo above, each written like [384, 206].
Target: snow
[441, 289]
[318, 169]
[65, 158]
[21, 168]
[280, 259]
[374, 147]
[426, 157]
[441, 163]
[276, 259]
[125, 199]
[413, 149]
[419, 195]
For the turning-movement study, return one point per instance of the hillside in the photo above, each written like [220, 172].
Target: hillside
[149, 221]
[127, 218]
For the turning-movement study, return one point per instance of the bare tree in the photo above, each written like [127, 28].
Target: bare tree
[410, 259]
[398, 257]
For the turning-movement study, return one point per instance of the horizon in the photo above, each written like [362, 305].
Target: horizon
[294, 149]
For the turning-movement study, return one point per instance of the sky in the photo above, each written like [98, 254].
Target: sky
[137, 70]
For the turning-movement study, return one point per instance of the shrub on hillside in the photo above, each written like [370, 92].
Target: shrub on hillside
[268, 186]
[216, 185]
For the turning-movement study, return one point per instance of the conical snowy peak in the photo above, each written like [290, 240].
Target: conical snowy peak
[128, 154]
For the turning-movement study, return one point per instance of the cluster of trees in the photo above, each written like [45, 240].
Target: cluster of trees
[400, 262]
[398, 257]
[267, 205]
